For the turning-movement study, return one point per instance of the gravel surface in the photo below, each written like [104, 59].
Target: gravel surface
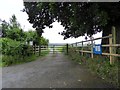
[52, 71]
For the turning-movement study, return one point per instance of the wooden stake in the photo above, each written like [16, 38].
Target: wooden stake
[111, 50]
[82, 48]
[114, 41]
[91, 48]
[67, 48]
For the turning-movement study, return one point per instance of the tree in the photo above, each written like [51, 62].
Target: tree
[14, 23]
[4, 27]
[30, 35]
[78, 18]
[33, 36]
[44, 41]
[12, 29]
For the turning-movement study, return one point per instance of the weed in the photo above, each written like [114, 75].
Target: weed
[98, 65]
[8, 60]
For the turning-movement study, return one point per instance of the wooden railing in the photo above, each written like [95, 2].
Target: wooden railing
[52, 49]
[111, 45]
[38, 49]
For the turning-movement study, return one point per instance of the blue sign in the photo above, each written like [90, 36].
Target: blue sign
[97, 49]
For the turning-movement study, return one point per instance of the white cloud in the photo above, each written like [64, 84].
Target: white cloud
[54, 37]
[10, 7]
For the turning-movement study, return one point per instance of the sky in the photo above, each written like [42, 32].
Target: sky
[10, 7]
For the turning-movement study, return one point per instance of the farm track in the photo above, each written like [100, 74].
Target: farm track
[52, 71]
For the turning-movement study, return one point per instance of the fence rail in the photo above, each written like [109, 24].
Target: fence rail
[52, 48]
[111, 45]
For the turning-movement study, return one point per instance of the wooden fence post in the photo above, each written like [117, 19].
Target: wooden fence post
[72, 45]
[91, 47]
[76, 44]
[67, 48]
[114, 41]
[111, 50]
[82, 48]
[53, 49]
[39, 49]
[34, 49]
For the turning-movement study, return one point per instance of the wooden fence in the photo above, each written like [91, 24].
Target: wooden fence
[111, 45]
[56, 48]
[38, 49]
[51, 48]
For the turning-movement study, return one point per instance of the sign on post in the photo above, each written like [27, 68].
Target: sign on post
[97, 49]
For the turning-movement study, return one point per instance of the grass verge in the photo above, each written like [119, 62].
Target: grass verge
[14, 60]
[99, 66]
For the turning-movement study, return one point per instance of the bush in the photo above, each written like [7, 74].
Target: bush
[8, 46]
[11, 47]
[14, 51]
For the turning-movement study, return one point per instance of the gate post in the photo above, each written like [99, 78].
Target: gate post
[67, 48]
[53, 49]
[114, 41]
[39, 49]
[111, 50]
[82, 48]
[91, 47]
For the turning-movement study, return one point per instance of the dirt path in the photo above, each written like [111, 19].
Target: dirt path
[52, 71]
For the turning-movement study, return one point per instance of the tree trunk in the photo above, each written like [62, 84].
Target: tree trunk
[118, 34]
[108, 30]
[40, 47]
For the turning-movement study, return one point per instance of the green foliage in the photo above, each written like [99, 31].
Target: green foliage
[4, 27]
[59, 48]
[33, 36]
[11, 47]
[13, 51]
[8, 60]
[99, 65]
[13, 43]
[78, 18]
[15, 34]
[13, 31]
[13, 22]
[8, 44]
[44, 41]
[30, 35]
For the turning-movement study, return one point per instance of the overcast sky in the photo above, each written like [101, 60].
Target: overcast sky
[10, 7]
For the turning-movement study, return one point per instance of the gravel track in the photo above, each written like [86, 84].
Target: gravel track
[52, 71]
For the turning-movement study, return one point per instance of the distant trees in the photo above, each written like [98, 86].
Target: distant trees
[13, 30]
[33, 36]
[13, 42]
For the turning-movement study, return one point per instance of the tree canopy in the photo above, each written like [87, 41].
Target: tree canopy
[78, 18]
[12, 30]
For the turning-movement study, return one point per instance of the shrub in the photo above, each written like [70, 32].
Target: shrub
[14, 51]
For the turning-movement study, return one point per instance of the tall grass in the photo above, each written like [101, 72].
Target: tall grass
[99, 65]
[8, 60]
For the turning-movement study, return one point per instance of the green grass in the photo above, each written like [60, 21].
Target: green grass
[14, 60]
[60, 49]
[0, 60]
[99, 66]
